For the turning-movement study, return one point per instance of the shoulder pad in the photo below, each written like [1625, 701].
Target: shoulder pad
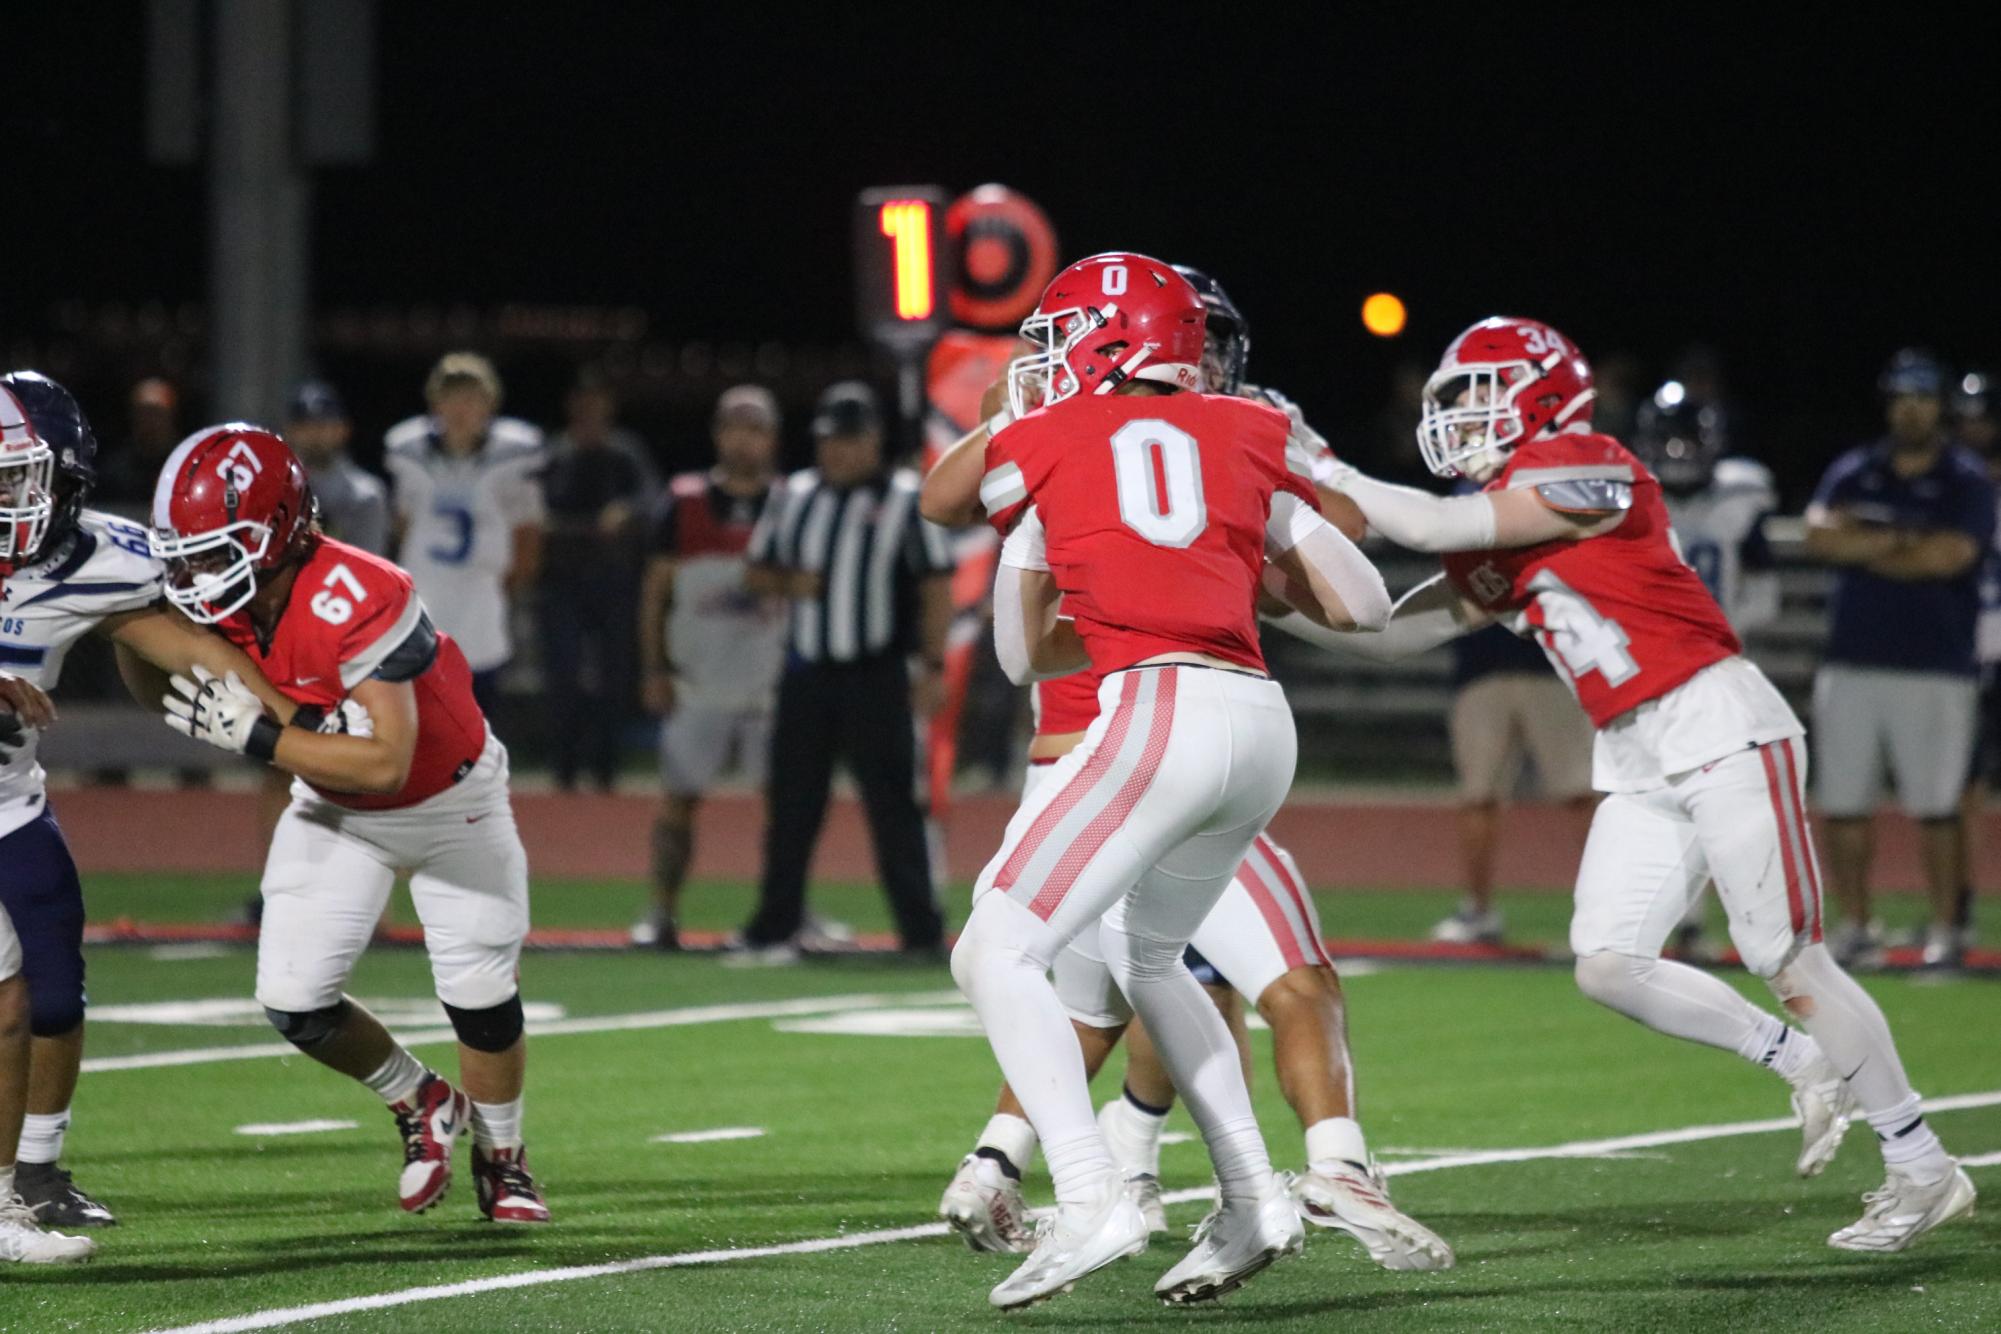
[1737, 473]
[409, 436]
[1585, 495]
[510, 437]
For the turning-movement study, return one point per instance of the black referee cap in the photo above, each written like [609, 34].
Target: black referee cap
[317, 401]
[847, 408]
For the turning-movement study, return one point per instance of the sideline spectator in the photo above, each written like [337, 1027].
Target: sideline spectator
[597, 484]
[354, 504]
[125, 483]
[469, 510]
[1507, 704]
[1906, 521]
[712, 649]
[870, 584]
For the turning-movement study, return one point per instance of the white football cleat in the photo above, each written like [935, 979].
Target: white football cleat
[1824, 1106]
[1902, 1210]
[1144, 1187]
[1342, 1195]
[1237, 1241]
[985, 1206]
[1470, 926]
[23, 1242]
[1072, 1242]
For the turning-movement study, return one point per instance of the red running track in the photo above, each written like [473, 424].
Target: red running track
[1340, 843]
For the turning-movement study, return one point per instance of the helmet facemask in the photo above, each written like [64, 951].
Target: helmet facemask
[27, 502]
[212, 576]
[1044, 376]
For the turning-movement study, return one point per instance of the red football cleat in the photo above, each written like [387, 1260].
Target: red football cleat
[434, 1116]
[507, 1192]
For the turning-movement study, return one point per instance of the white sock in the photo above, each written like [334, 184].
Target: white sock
[1780, 1048]
[42, 1136]
[6, 1183]
[1132, 1133]
[1010, 1137]
[1002, 965]
[496, 1125]
[397, 1079]
[1908, 1142]
[1338, 1139]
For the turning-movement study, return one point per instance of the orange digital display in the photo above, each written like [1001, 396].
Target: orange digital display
[907, 223]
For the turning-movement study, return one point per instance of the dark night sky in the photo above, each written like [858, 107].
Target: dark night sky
[1806, 196]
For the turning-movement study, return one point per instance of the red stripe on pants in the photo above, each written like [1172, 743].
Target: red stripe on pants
[1808, 861]
[1074, 790]
[1281, 930]
[1299, 899]
[1794, 900]
[1087, 844]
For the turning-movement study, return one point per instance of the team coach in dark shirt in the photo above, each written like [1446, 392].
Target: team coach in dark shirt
[869, 584]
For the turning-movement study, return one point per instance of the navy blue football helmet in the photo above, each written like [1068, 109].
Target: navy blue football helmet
[55, 416]
[1228, 332]
[1680, 437]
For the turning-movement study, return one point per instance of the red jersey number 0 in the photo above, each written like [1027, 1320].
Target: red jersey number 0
[1159, 470]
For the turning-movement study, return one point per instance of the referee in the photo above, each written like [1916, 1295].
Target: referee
[869, 583]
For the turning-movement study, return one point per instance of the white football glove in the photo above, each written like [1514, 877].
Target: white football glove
[217, 709]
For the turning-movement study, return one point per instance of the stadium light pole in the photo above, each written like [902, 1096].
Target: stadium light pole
[286, 86]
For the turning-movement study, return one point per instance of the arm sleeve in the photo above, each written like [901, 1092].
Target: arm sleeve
[1975, 514]
[1010, 627]
[1423, 619]
[1833, 486]
[1296, 526]
[1027, 547]
[1416, 519]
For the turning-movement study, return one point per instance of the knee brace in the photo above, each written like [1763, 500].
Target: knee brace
[495, 1028]
[307, 1029]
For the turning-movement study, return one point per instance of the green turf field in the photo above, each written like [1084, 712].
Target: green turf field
[862, 1128]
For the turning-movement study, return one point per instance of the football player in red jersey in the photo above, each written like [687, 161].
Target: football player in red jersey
[1261, 941]
[1702, 761]
[414, 780]
[1160, 506]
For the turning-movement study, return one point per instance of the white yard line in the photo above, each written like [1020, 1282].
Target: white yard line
[292, 1315]
[317, 1127]
[710, 1136]
[602, 1023]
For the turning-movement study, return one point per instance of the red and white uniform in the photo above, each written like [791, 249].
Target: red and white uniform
[1155, 513]
[335, 856]
[1704, 760]
[351, 611]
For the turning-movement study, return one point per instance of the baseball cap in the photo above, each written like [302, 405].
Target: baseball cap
[847, 408]
[1913, 371]
[751, 404]
[316, 401]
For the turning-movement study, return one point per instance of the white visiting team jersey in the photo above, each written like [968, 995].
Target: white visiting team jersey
[101, 569]
[459, 517]
[1714, 526]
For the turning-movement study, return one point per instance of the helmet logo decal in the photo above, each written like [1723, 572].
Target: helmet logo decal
[240, 466]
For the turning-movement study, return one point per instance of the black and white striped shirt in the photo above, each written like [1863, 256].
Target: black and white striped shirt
[870, 548]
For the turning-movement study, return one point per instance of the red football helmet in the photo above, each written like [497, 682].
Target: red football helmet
[1501, 382]
[232, 502]
[27, 484]
[1106, 320]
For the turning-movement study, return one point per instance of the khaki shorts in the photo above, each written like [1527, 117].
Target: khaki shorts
[1921, 726]
[1502, 716]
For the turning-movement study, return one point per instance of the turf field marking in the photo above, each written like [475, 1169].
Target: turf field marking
[295, 1127]
[710, 1136]
[292, 1315]
[602, 1023]
[1982, 1160]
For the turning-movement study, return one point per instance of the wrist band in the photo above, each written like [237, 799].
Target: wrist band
[309, 717]
[263, 742]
